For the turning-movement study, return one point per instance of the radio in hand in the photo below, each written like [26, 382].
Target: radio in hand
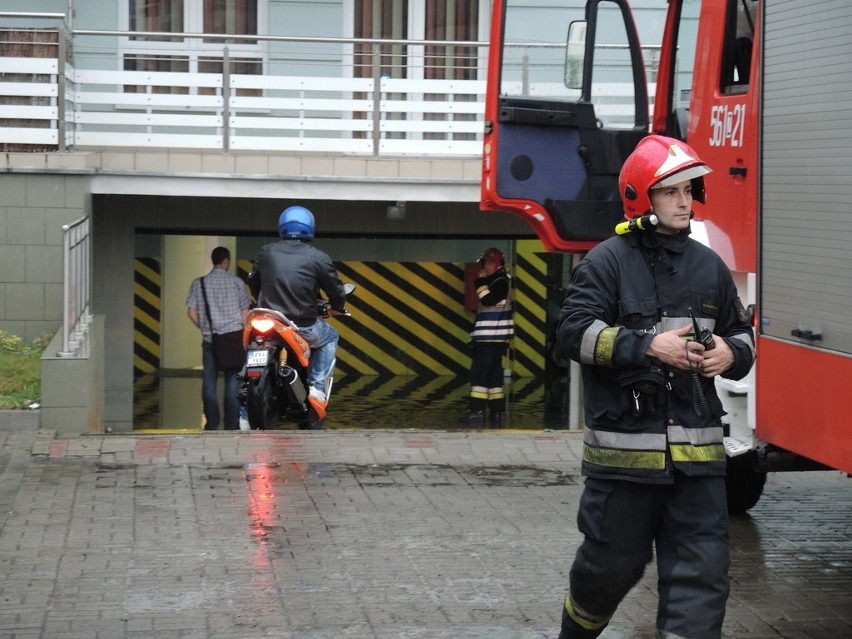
[703, 335]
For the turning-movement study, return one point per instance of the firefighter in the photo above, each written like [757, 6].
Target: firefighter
[652, 455]
[493, 329]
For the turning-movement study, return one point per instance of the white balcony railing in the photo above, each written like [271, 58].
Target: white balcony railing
[331, 95]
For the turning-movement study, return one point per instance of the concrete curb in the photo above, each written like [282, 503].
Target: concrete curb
[13, 419]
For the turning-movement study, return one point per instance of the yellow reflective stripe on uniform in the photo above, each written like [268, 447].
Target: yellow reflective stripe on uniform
[690, 453]
[479, 392]
[625, 450]
[653, 460]
[696, 444]
[605, 346]
[584, 622]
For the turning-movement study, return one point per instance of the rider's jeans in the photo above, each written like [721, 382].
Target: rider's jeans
[208, 392]
[323, 339]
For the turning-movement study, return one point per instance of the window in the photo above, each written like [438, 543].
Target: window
[381, 19]
[239, 17]
[222, 16]
[156, 15]
[181, 54]
[434, 20]
[456, 20]
[738, 45]
[446, 20]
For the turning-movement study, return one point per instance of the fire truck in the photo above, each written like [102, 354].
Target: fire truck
[761, 91]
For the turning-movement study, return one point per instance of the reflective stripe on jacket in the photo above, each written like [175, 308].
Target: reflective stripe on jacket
[623, 292]
[493, 324]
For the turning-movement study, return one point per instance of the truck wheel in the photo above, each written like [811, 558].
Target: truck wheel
[744, 484]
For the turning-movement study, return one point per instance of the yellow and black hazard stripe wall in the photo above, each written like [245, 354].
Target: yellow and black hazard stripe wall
[408, 318]
[147, 283]
[147, 300]
[530, 302]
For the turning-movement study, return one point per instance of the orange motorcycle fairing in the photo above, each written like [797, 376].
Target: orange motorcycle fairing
[282, 326]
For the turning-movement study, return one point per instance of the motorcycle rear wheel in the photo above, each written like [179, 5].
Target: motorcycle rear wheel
[262, 401]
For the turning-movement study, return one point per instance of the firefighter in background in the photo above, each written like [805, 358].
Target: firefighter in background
[492, 331]
[652, 449]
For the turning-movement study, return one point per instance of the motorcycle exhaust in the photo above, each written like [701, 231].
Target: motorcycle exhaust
[293, 385]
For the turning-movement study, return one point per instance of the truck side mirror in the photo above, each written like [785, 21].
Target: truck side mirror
[575, 54]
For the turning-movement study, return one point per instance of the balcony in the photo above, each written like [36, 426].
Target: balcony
[87, 90]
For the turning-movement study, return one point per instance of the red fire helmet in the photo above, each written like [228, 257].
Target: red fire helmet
[659, 161]
[495, 255]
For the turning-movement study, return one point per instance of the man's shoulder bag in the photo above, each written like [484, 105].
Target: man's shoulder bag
[228, 350]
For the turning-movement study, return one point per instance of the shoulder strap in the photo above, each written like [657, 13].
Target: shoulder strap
[206, 305]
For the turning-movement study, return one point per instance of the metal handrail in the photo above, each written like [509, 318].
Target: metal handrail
[273, 38]
[300, 39]
[32, 15]
[76, 291]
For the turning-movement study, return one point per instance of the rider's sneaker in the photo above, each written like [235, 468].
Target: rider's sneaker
[317, 400]
[316, 394]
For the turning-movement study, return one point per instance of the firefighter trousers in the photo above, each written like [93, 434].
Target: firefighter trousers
[486, 376]
[686, 522]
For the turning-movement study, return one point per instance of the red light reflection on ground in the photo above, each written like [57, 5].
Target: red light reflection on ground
[262, 507]
[265, 478]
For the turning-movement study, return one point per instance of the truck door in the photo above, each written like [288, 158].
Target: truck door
[707, 95]
[566, 103]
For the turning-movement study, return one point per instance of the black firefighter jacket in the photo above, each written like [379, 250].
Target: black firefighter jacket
[623, 292]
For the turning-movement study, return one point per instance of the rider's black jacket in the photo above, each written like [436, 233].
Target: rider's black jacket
[288, 276]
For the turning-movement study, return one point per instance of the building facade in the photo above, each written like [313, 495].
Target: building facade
[368, 112]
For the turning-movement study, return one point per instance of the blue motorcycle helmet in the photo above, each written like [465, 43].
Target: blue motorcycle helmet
[296, 222]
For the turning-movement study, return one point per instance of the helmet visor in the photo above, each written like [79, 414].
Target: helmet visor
[682, 176]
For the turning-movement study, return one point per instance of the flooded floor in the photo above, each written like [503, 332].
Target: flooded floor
[172, 401]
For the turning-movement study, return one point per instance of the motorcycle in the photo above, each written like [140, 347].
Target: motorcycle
[273, 382]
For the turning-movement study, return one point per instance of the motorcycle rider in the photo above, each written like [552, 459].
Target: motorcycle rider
[288, 276]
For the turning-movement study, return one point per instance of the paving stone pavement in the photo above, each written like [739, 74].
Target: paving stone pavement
[359, 534]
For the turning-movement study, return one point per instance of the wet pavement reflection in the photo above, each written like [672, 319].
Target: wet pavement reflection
[172, 401]
[366, 534]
